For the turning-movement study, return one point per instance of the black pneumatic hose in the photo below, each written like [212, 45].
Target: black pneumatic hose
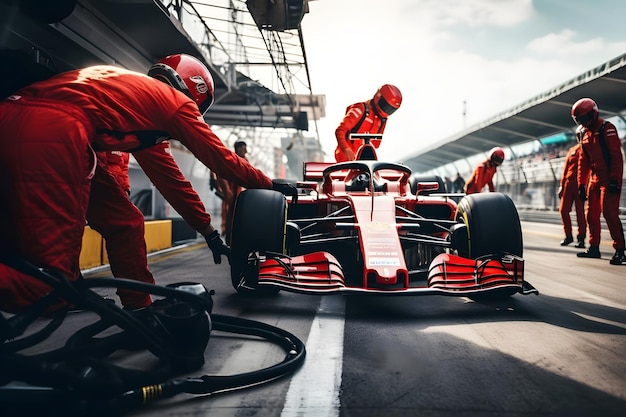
[209, 384]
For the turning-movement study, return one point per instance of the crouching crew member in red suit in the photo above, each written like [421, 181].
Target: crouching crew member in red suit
[484, 172]
[568, 193]
[366, 117]
[50, 132]
[600, 170]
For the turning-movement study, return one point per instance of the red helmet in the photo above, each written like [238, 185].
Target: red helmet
[496, 156]
[585, 112]
[387, 99]
[187, 74]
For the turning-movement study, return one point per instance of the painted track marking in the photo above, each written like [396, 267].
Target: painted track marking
[314, 389]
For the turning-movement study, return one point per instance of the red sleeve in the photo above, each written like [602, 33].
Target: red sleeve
[615, 151]
[570, 169]
[188, 127]
[584, 168]
[489, 173]
[479, 177]
[352, 117]
[163, 171]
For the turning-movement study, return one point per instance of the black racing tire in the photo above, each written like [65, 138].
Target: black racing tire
[259, 221]
[493, 227]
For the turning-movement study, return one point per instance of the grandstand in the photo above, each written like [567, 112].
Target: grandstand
[534, 134]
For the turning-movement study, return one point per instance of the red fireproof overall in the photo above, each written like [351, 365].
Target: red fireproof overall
[369, 121]
[596, 168]
[482, 175]
[122, 225]
[569, 195]
[49, 132]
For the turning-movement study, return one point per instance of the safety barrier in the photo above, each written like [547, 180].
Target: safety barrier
[158, 235]
[535, 184]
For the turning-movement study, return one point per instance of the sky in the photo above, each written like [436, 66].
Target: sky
[489, 54]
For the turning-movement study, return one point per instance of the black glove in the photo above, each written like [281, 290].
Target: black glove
[614, 187]
[582, 193]
[217, 246]
[287, 189]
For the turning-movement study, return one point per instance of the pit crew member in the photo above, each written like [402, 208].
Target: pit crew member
[600, 171]
[484, 172]
[366, 117]
[50, 131]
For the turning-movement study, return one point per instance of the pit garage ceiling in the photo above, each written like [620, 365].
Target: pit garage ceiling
[136, 33]
[544, 115]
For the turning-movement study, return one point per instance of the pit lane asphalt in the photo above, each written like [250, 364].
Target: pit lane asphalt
[561, 353]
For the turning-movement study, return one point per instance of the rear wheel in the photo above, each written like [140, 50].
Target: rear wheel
[258, 225]
[492, 226]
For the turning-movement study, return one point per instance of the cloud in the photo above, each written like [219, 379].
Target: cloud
[491, 54]
[564, 44]
[499, 13]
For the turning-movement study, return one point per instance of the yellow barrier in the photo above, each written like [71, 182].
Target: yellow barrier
[91, 252]
[158, 235]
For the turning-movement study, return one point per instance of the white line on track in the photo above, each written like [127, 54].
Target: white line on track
[314, 389]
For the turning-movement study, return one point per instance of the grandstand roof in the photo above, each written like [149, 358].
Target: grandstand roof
[544, 115]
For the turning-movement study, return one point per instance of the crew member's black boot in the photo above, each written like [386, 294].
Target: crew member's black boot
[581, 243]
[567, 240]
[592, 252]
[619, 257]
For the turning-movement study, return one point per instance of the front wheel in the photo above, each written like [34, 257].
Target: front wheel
[492, 227]
[259, 221]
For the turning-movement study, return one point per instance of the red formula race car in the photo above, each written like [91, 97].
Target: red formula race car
[368, 226]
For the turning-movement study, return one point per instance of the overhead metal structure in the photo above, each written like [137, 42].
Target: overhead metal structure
[542, 116]
[225, 34]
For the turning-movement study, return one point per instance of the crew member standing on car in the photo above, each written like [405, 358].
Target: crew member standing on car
[568, 193]
[366, 117]
[484, 172]
[600, 170]
[49, 132]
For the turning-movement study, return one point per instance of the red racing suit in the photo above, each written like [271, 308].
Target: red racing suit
[599, 163]
[122, 224]
[48, 134]
[482, 175]
[568, 193]
[359, 118]
[117, 163]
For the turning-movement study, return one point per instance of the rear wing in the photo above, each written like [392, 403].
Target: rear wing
[366, 138]
[314, 171]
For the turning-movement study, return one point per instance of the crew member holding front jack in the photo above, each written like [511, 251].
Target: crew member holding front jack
[49, 132]
[366, 117]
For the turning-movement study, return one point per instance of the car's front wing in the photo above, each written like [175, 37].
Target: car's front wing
[321, 273]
